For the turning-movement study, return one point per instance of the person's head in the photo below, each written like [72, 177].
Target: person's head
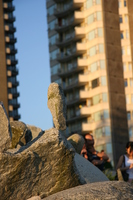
[89, 140]
[129, 146]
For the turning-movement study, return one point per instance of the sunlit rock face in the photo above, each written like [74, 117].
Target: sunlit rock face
[57, 106]
[5, 131]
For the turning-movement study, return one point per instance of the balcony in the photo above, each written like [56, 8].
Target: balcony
[80, 32]
[10, 40]
[8, 7]
[13, 72]
[66, 41]
[17, 117]
[16, 94]
[10, 28]
[11, 51]
[15, 84]
[68, 71]
[11, 62]
[9, 18]
[76, 116]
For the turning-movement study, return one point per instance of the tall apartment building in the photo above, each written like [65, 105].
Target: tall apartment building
[89, 43]
[8, 62]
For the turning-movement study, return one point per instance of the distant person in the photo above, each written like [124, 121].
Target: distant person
[125, 163]
[89, 152]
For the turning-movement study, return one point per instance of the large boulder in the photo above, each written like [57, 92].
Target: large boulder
[5, 131]
[119, 190]
[77, 141]
[21, 135]
[43, 167]
[56, 104]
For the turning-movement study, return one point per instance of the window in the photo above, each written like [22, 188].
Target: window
[104, 97]
[128, 50]
[124, 67]
[50, 10]
[91, 35]
[101, 48]
[129, 66]
[51, 24]
[53, 39]
[90, 19]
[107, 131]
[97, 116]
[131, 82]
[95, 83]
[127, 34]
[103, 80]
[125, 83]
[106, 114]
[93, 67]
[127, 99]
[92, 51]
[122, 36]
[53, 54]
[119, 4]
[126, 18]
[123, 51]
[125, 3]
[96, 99]
[120, 19]
[100, 32]
[99, 16]
[98, 133]
[98, 1]
[55, 69]
[131, 98]
[128, 115]
[108, 148]
[130, 132]
[89, 3]
[102, 64]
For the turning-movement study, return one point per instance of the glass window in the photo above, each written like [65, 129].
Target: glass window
[108, 148]
[120, 19]
[131, 98]
[99, 148]
[97, 116]
[123, 51]
[51, 24]
[102, 64]
[89, 3]
[127, 99]
[99, 133]
[53, 39]
[127, 34]
[92, 51]
[128, 115]
[125, 82]
[98, 1]
[106, 114]
[99, 16]
[95, 83]
[53, 54]
[126, 18]
[93, 67]
[131, 82]
[119, 4]
[90, 19]
[124, 67]
[129, 66]
[96, 99]
[101, 48]
[131, 132]
[107, 130]
[58, 81]
[91, 35]
[50, 10]
[128, 51]
[103, 80]
[100, 32]
[122, 36]
[125, 3]
[104, 97]
[55, 69]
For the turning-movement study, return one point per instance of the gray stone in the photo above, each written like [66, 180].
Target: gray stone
[117, 190]
[5, 131]
[20, 133]
[44, 167]
[77, 141]
[57, 106]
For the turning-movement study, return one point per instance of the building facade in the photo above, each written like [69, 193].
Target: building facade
[87, 39]
[8, 70]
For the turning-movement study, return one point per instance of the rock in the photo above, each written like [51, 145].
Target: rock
[35, 131]
[44, 167]
[5, 131]
[77, 141]
[119, 190]
[20, 133]
[57, 106]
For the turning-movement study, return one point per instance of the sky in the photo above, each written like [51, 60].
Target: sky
[33, 62]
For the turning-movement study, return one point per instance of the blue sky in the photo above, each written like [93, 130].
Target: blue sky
[33, 62]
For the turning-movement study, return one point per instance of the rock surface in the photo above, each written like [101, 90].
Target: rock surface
[35, 131]
[57, 106]
[20, 133]
[5, 131]
[77, 141]
[117, 190]
[43, 167]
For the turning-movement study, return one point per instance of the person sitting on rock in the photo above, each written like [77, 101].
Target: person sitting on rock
[88, 151]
